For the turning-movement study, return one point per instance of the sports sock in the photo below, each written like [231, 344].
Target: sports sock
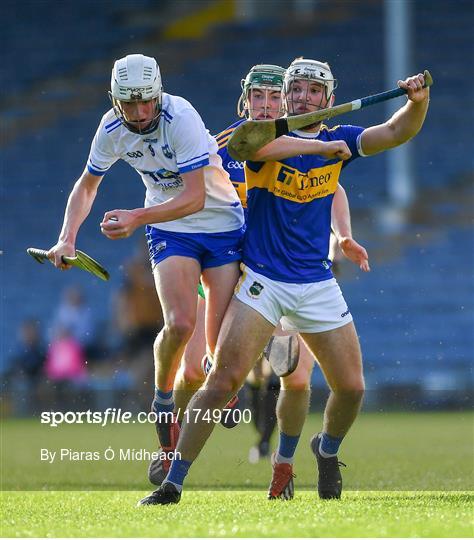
[286, 448]
[329, 445]
[163, 405]
[163, 401]
[177, 473]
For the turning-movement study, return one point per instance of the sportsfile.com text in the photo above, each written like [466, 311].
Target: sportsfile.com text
[118, 416]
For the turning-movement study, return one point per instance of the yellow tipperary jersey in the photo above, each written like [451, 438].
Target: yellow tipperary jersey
[289, 211]
[233, 167]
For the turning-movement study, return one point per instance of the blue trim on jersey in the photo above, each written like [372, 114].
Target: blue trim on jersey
[97, 168]
[95, 172]
[108, 126]
[227, 132]
[194, 166]
[192, 159]
[114, 128]
[167, 114]
[232, 127]
[234, 168]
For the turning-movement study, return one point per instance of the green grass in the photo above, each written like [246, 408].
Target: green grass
[407, 475]
[385, 451]
[230, 514]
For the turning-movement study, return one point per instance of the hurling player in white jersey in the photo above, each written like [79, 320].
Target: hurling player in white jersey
[289, 276]
[193, 217]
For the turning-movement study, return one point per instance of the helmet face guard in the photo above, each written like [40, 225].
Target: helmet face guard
[303, 69]
[264, 77]
[136, 78]
[119, 113]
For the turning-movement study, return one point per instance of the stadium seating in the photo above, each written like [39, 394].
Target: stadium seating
[65, 46]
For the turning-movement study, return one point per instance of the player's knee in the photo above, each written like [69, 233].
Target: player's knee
[179, 328]
[224, 381]
[352, 390]
[299, 380]
[298, 385]
[193, 374]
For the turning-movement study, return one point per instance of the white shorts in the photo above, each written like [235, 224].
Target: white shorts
[308, 308]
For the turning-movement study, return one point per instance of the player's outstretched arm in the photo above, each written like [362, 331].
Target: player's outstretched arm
[118, 224]
[78, 207]
[341, 225]
[285, 147]
[404, 124]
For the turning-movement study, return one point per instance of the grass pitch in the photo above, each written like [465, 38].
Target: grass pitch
[244, 514]
[408, 475]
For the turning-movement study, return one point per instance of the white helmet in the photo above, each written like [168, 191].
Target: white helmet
[313, 70]
[136, 78]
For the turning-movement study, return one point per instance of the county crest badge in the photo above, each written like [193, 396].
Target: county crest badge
[255, 289]
[167, 151]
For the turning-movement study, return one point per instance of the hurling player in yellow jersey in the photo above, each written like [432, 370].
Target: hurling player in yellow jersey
[260, 100]
[287, 276]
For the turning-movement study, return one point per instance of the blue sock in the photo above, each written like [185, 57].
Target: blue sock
[178, 471]
[163, 401]
[286, 448]
[329, 445]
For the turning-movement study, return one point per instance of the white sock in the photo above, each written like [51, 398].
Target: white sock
[282, 459]
[323, 453]
[177, 486]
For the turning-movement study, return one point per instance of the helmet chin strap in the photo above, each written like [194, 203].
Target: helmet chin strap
[119, 114]
[145, 131]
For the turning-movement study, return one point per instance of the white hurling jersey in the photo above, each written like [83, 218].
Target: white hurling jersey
[181, 143]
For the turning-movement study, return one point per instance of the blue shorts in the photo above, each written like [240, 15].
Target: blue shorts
[210, 249]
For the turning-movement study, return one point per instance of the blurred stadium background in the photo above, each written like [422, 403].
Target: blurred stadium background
[414, 312]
